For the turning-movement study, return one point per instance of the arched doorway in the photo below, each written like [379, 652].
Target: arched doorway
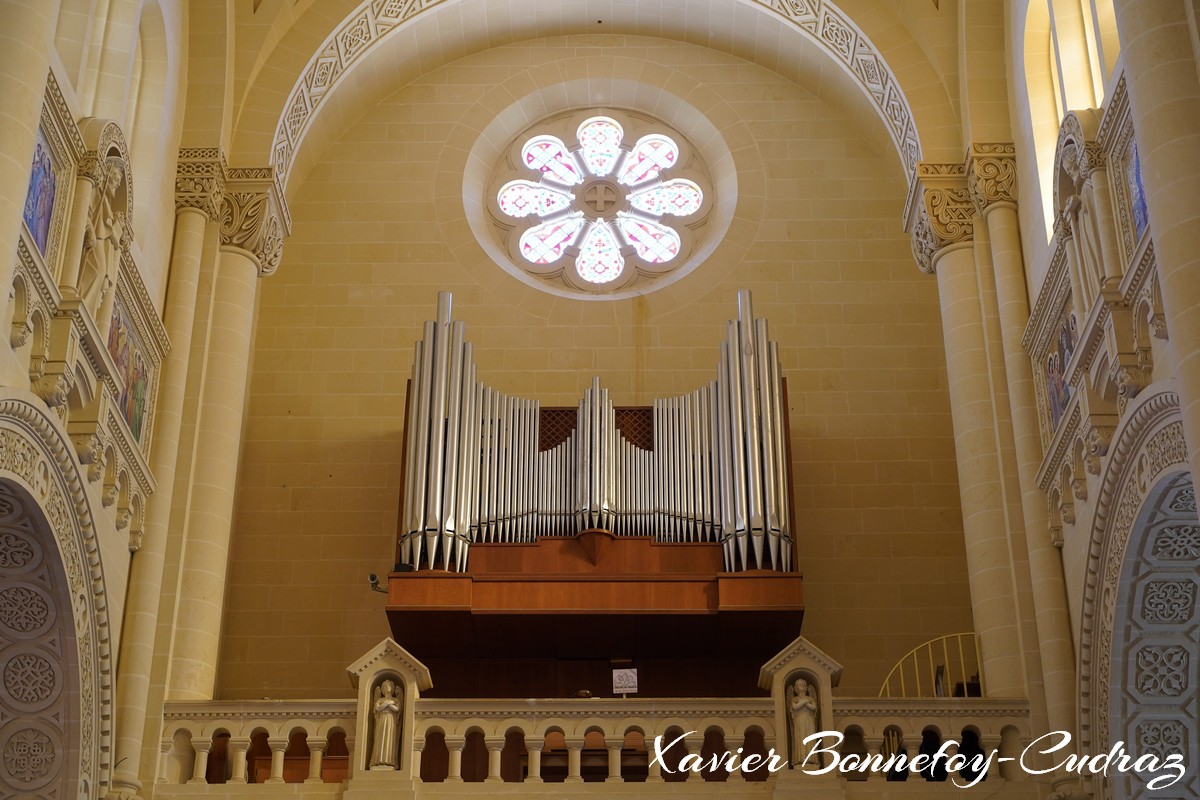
[40, 704]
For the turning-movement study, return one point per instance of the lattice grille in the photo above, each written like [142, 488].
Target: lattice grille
[555, 427]
[637, 426]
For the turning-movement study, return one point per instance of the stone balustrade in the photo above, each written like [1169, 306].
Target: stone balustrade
[557, 740]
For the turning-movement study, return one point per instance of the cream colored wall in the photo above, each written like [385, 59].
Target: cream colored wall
[375, 237]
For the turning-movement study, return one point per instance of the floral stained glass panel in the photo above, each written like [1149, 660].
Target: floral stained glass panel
[600, 259]
[678, 198]
[600, 138]
[545, 243]
[650, 156]
[655, 244]
[526, 198]
[549, 155]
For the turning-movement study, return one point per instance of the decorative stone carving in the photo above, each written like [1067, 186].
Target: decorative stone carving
[1162, 670]
[992, 175]
[1161, 738]
[250, 217]
[25, 610]
[1177, 543]
[1185, 501]
[200, 177]
[30, 679]
[939, 211]
[1169, 602]
[29, 755]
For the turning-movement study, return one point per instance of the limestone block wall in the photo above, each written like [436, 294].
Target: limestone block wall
[379, 228]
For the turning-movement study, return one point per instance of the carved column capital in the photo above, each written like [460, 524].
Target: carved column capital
[200, 176]
[253, 219]
[992, 174]
[939, 211]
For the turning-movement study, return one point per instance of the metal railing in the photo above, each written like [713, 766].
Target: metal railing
[949, 666]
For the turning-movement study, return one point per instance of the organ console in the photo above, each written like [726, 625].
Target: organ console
[480, 469]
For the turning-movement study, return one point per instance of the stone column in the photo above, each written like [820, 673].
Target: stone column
[939, 217]
[495, 748]
[534, 748]
[251, 245]
[454, 769]
[239, 747]
[278, 750]
[26, 40]
[418, 750]
[574, 757]
[316, 752]
[1164, 101]
[194, 210]
[654, 768]
[200, 766]
[614, 746]
[992, 176]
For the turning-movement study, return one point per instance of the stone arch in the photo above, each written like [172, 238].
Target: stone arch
[54, 634]
[1147, 456]
[374, 26]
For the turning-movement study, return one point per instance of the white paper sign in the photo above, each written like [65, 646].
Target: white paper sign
[624, 681]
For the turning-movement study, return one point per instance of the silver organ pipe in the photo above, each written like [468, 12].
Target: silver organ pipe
[715, 471]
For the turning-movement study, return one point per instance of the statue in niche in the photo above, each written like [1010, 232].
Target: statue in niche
[386, 710]
[1086, 225]
[803, 705]
[105, 235]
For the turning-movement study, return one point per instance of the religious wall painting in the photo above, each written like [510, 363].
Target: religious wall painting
[1134, 190]
[39, 199]
[133, 373]
[1058, 389]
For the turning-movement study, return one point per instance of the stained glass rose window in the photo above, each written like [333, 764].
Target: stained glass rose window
[602, 210]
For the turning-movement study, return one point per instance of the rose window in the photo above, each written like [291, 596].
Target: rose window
[603, 212]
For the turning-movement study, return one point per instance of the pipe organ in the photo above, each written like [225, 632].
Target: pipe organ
[707, 466]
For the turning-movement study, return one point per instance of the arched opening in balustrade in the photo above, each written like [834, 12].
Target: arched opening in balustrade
[635, 759]
[713, 754]
[220, 758]
[474, 757]
[755, 743]
[894, 744]
[971, 748]
[672, 755]
[435, 758]
[554, 757]
[514, 757]
[853, 744]
[593, 761]
[931, 740]
[1010, 748]
[180, 758]
[296, 757]
[335, 764]
[258, 757]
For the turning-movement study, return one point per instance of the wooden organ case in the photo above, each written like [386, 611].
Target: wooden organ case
[538, 548]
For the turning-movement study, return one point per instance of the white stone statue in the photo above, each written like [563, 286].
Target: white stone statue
[106, 228]
[386, 742]
[803, 705]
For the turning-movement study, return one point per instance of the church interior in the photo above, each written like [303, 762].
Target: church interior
[404, 398]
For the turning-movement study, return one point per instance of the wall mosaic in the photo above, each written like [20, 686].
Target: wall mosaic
[39, 201]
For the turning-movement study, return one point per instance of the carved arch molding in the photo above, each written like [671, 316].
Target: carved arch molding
[55, 708]
[819, 21]
[1141, 627]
